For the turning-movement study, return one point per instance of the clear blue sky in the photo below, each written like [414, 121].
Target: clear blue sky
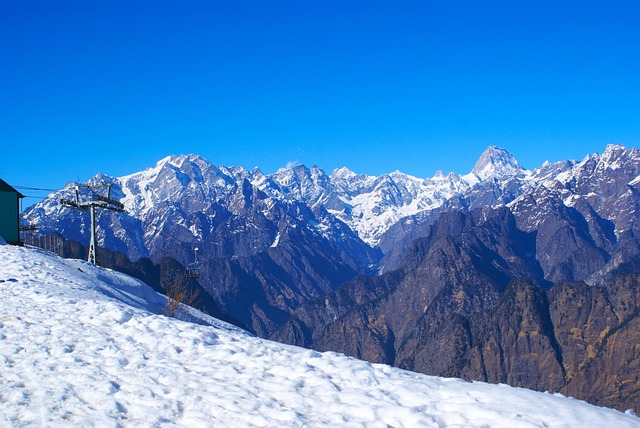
[113, 86]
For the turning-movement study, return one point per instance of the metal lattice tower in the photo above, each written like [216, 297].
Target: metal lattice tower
[91, 205]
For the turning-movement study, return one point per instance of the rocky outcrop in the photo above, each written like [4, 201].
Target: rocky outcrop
[598, 330]
[515, 343]
[470, 300]
[459, 268]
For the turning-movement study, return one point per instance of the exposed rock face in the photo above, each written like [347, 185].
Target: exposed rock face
[600, 336]
[566, 340]
[455, 308]
[458, 268]
[515, 343]
[580, 340]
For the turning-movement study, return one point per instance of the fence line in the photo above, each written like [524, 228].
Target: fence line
[50, 243]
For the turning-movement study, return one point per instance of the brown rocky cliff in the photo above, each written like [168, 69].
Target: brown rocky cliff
[454, 309]
[598, 329]
[515, 343]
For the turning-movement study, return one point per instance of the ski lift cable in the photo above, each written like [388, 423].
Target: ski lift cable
[92, 193]
[249, 291]
[192, 268]
[34, 197]
[36, 188]
[203, 261]
[166, 236]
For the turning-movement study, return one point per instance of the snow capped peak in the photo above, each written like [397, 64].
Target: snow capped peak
[287, 174]
[257, 175]
[342, 173]
[176, 161]
[405, 179]
[496, 162]
[164, 161]
[397, 174]
[440, 176]
[180, 185]
[613, 149]
[615, 155]
[183, 161]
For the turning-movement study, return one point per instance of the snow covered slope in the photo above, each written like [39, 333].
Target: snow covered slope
[82, 346]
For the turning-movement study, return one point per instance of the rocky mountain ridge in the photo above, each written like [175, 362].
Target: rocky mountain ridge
[272, 242]
[471, 300]
[368, 204]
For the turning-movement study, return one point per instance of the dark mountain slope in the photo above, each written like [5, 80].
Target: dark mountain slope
[459, 261]
[456, 308]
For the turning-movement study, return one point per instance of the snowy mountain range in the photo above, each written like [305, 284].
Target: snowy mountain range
[183, 200]
[388, 268]
[298, 233]
[178, 188]
[87, 346]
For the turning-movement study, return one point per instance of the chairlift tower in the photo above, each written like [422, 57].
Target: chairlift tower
[98, 201]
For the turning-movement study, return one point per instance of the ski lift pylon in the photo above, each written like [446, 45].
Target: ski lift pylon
[192, 268]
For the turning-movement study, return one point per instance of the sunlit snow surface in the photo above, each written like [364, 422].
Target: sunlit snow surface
[83, 346]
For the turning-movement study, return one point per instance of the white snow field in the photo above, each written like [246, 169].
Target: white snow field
[85, 346]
